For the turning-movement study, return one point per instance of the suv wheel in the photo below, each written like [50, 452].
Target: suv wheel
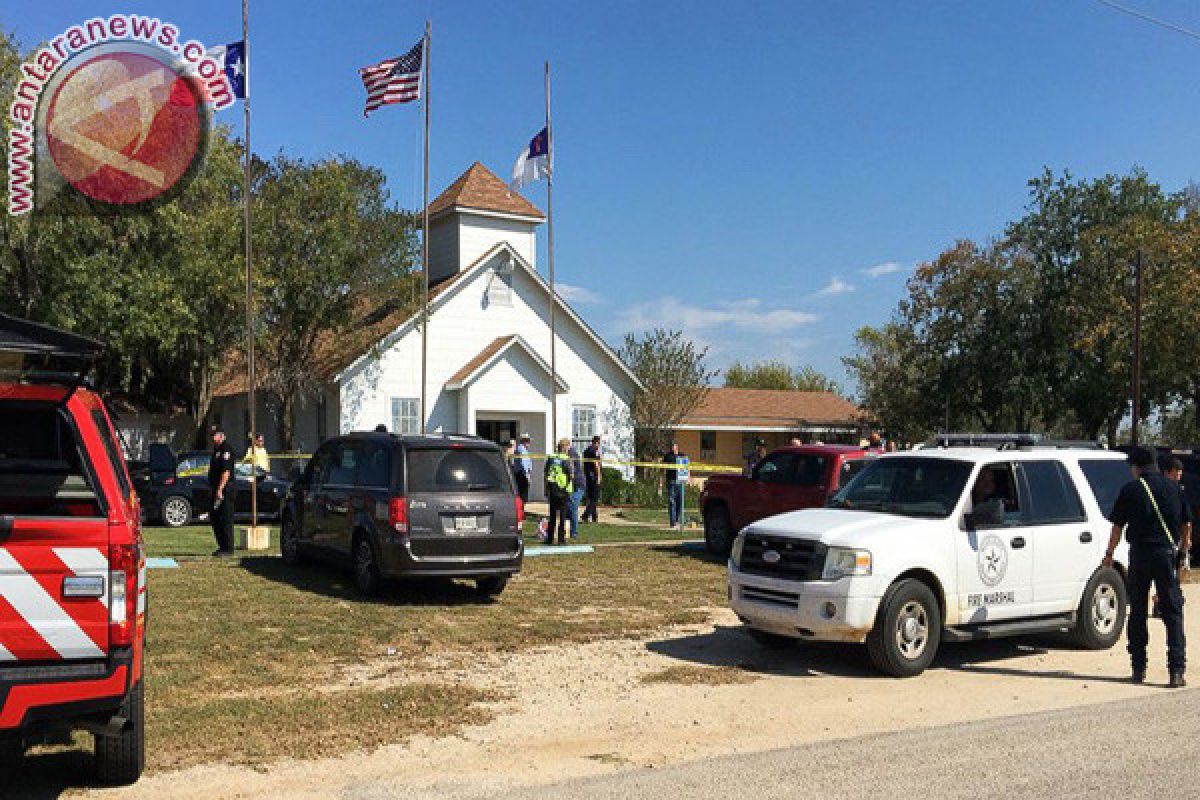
[176, 511]
[718, 531]
[1101, 615]
[120, 759]
[289, 543]
[907, 632]
[366, 566]
[491, 586]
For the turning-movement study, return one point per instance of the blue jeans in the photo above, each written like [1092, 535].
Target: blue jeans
[674, 502]
[576, 497]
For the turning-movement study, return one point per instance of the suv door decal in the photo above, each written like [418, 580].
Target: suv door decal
[48, 621]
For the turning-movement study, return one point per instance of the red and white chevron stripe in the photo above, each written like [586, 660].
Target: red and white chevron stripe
[37, 626]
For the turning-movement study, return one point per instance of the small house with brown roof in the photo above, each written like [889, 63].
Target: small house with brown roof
[725, 426]
[488, 348]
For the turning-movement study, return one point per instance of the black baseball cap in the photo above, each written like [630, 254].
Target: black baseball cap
[1143, 457]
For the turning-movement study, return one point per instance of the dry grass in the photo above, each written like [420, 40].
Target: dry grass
[250, 661]
[692, 675]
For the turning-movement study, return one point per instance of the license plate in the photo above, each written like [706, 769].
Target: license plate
[465, 524]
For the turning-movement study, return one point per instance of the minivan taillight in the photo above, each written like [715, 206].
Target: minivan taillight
[126, 572]
[398, 514]
[519, 506]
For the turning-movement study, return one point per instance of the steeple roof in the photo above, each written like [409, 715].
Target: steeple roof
[479, 188]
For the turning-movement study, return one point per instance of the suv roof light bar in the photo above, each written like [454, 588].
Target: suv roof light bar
[1009, 441]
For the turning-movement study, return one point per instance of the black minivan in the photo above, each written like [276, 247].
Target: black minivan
[397, 506]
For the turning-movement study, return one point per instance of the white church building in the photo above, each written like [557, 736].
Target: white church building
[488, 370]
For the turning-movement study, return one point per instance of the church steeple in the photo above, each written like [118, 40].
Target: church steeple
[471, 216]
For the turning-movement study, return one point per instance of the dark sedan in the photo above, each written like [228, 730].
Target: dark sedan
[174, 489]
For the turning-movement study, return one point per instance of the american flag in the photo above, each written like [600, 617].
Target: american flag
[396, 80]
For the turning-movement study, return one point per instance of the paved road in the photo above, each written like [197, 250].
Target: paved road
[1145, 747]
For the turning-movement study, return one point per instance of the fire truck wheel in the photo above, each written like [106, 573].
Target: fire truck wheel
[120, 759]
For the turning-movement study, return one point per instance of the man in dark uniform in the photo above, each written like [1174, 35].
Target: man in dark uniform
[1150, 511]
[592, 474]
[223, 488]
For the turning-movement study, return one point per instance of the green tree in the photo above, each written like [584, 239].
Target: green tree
[778, 375]
[675, 380]
[326, 237]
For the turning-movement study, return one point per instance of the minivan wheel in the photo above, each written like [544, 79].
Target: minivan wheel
[366, 567]
[176, 511]
[907, 631]
[289, 543]
[120, 759]
[491, 585]
[1101, 615]
[718, 531]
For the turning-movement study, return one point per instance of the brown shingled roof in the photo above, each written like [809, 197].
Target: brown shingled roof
[771, 408]
[478, 361]
[479, 188]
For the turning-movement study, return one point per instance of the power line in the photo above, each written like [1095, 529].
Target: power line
[1133, 12]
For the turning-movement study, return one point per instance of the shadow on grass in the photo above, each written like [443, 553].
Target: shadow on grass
[44, 775]
[692, 550]
[335, 581]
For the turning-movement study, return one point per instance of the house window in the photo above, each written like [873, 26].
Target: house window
[583, 425]
[708, 446]
[406, 415]
[499, 290]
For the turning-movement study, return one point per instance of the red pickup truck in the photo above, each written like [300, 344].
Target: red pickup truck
[787, 479]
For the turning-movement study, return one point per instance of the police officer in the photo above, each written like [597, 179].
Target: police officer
[1150, 510]
[223, 489]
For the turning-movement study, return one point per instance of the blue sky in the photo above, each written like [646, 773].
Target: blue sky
[762, 175]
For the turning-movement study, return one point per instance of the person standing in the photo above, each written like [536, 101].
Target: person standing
[558, 491]
[524, 468]
[592, 475]
[760, 452]
[1172, 468]
[257, 457]
[223, 490]
[1149, 510]
[674, 487]
[578, 483]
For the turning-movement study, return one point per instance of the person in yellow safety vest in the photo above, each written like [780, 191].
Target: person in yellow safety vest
[256, 456]
[558, 491]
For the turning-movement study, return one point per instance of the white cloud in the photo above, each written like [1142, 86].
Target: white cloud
[886, 268]
[748, 315]
[836, 286]
[577, 295]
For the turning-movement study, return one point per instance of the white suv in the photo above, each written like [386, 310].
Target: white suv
[941, 545]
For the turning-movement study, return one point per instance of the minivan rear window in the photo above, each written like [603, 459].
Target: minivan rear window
[456, 470]
[42, 471]
[1106, 477]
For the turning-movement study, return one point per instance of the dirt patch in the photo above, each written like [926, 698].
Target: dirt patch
[688, 675]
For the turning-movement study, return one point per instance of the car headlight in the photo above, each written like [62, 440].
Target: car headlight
[735, 555]
[841, 562]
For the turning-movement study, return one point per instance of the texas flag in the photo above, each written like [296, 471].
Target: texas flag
[533, 163]
[232, 59]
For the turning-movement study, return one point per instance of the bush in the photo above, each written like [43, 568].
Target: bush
[615, 490]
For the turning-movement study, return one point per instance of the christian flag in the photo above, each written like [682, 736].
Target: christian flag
[533, 163]
[396, 80]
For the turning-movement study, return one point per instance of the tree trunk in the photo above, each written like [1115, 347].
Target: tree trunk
[287, 410]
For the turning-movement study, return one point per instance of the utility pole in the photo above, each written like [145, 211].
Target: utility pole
[425, 244]
[553, 443]
[1136, 389]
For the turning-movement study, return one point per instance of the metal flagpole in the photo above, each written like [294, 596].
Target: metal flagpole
[1137, 348]
[553, 443]
[250, 394]
[425, 245]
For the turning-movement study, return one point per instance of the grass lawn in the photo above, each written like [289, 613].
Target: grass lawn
[250, 661]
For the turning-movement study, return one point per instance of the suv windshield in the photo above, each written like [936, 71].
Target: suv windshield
[456, 470]
[907, 485]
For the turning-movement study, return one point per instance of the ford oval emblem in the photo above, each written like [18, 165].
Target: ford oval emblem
[770, 557]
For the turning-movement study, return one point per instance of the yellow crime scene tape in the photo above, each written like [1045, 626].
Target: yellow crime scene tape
[691, 466]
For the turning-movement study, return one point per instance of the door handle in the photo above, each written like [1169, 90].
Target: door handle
[1018, 542]
[1085, 537]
